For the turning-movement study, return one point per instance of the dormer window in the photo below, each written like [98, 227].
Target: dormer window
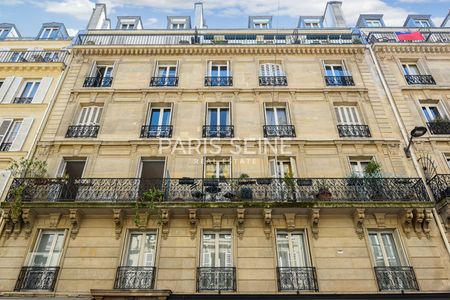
[126, 26]
[312, 24]
[374, 23]
[3, 33]
[49, 33]
[261, 25]
[260, 22]
[422, 23]
[178, 26]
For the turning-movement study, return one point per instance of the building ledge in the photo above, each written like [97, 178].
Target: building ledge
[98, 294]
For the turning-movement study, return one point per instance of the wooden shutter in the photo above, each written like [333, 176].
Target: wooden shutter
[12, 91]
[4, 126]
[90, 115]
[347, 115]
[273, 170]
[42, 90]
[4, 178]
[22, 134]
[5, 87]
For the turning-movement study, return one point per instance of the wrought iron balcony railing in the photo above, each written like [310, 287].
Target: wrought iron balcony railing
[297, 279]
[5, 147]
[142, 278]
[279, 131]
[33, 56]
[151, 131]
[22, 100]
[391, 37]
[37, 278]
[273, 81]
[220, 131]
[440, 186]
[439, 127]
[354, 131]
[219, 38]
[420, 79]
[82, 131]
[216, 279]
[119, 190]
[396, 279]
[218, 81]
[164, 81]
[98, 82]
[339, 81]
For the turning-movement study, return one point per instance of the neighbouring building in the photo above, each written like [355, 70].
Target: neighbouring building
[201, 163]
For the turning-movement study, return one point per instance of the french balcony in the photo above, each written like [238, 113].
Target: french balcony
[273, 81]
[5, 147]
[175, 190]
[37, 279]
[164, 81]
[218, 81]
[354, 131]
[33, 56]
[339, 81]
[219, 131]
[297, 279]
[82, 131]
[98, 82]
[153, 131]
[440, 186]
[420, 80]
[22, 100]
[282, 131]
[439, 127]
[216, 279]
[396, 279]
[131, 278]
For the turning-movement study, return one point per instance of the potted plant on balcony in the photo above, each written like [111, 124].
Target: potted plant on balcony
[324, 193]
[245, 193]
[440, 125]
[148, 202]
[371, 175]
[289, 183]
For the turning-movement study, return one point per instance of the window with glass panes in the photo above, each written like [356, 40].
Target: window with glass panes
[141, 250]
[270, 70]
[281, 168]
[219, 69]
[312, 24]
[127, 26]
[218, 116]
[50, 33]
[217, 168]
[216, 250]
[159, 116]
[291, 249]
[178, 26]
[373, 23]
[90, 115]
[432, 112]
[347, 115]
[410, 69]
[384, 249]
[29, 89]
[9, 130]
[276, 115]
[48, 249]
[358, 166]
[422, 23]
[335, 69]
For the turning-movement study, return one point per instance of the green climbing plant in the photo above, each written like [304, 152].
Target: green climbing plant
[148, 202]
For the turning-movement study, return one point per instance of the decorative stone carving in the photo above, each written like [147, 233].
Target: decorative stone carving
[427, 222]
[380, 218]
[407, 221]
[315, 223]
[358, 219]
[290, 221]
[9, 225]
[165, 222]
[193, 220]
[418, 217]
[28, 218]
[54, 219]
[240, 221]
[75, 219]
[118, 215]
[217, 221]
[142, 219]
[267, 214]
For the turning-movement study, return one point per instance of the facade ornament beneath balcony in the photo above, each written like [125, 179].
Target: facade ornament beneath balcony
[419, 215]
[315, 223]
[17, 224]
[9, 225]
[267, 222]
[217, 221]
[165, 222]
[118, 221]
[193, 220]
[380, 218]
[28, 218]
[240, 221]
[427, 222]
[75, 220]
[142, 219]
[445, 214]
[407, 221]
[290, 221]
[358, 219]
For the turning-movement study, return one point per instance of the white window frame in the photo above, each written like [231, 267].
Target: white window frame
[216, 247]
[260, 25]
[427, 107]
[217, 161]
[52, 248]
[127, 26]
[278, 166]
[312, 24]
[334, 65]
[275, 109]
[142, 247]
[50, 31]
[347, 115]
[2, 30]
[177, 26]
[161, 114]
[218, 108]
[408, 67]
[92, 112]
[373, 23]
[33, 84]
[307, 258]
[271, 70]
[108, 69]
[219, 65]
[9, 132]
[397, 244]
[359, 172]
[167, 67]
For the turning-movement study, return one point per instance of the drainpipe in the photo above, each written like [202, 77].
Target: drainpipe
[405, 136]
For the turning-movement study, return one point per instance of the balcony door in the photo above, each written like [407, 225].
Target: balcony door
[347, 115]
[218, 168]
[291, 250]
[384, 249]
[432, 112]
[103, 71]
[90, 115]
[216, 250]
[410, 69]
[152, 173]
[141, 250]
[159, 119]
[270, 70]
[334, 70]
[282, 168]
[276, 116]
[166, 74]
[47, 251]
[218, 119]
[72, 173]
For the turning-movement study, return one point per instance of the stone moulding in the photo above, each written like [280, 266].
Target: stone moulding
[118, 215]
[315, 215]
[358, 219]
[411, 48]
[407, 221]
[193, 221]
[267, 215]
[240, 218]
[165, 222]
[75, 220]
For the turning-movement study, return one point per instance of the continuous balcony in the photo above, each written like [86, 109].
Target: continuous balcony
[264, 190]
[98, 82]
[130, 278]
[37, 279]
[440, 186]
[396, 279]
[420, 79]
[286, 131]
[164, 81]
[82, 131]
[273, 81]
[391, 37]
[297, 279]
[153, 131]
[218, 81]
[220, 131]
[22, 100]
[33, 56]
[216, 279]
[339, 81]
[352, 131]
[439, 127]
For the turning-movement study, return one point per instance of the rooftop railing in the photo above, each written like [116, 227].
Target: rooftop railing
[221, 190]
[33, 56]
[391, 37]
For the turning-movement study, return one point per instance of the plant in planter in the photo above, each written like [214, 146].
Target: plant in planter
[324, 193]
[371, 175]
[289, 183]
[245, 193]
[148, 202]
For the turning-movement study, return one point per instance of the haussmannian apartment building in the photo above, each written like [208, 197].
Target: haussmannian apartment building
[200, 163]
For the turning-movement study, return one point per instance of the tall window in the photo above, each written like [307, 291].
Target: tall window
[216, 249]
[281, 168]
[166, 71]
[9, 130]
[335, 69]
[422, 23]
[103, 71]
[218, 116]
[159, 116]
[47, 252]
[49, 33]
[217, 168]
[312, 24]
[141, 250]
[410, 69]
[373, 23]
[29, 89]
[291, 249]
[432, 112]
[359, 166]
[260, 25]
[347, 115]
[178, 26]
[90, 115]
[127, 26]
[276, 116]
[384, 249]
[270, 70]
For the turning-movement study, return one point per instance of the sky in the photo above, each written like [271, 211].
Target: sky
[28, 15]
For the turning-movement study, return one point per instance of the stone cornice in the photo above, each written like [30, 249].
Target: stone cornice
[412, 48]
[32, 66]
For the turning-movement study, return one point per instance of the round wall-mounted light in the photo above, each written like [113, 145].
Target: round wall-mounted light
[418, 131]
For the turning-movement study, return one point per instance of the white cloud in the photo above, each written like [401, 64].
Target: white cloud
[80, 9]
[151, 21]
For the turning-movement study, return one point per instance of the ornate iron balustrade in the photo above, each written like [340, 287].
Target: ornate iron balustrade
[33, 56]
[98, 82]
[82, 131]
[279, 131]
[5, 147]
[164, 81]
[219, 131]
[151, 131]
[420, 79]
[339, 81]
[396, 279]
[391, 37]
[37, 278]
[218, 81]
[440, 186]
[273, 81]
[113, 190]
[219, 38]
[216, 279]
[353, 131]
[439, 127]
[142, 278]
[22, 100]
[297, 279]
